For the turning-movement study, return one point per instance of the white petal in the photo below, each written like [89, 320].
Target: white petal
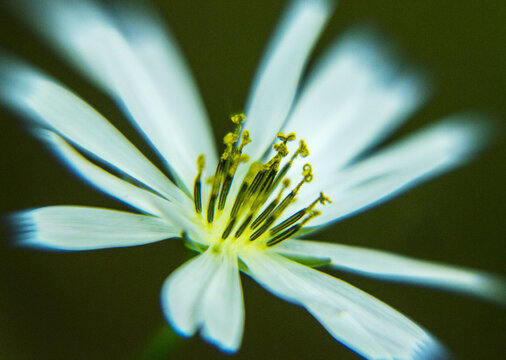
[85, 228]
[356, 96]
[343, 327]
[206, 293]
[348, 313]
[43, 99]
[183, 290]
[277, 79]
[141, 199]
[388, 266]
[400, 166]
[223, 309]
[139, 65]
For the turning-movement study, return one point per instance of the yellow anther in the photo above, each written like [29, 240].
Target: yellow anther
[201, 163]
[286, 182]
[285, 138]
[282, 149]
[323, 199]
[245, 137]
[303, 150]
[291, 137]
[307, 170]
[238, 118]
[230, 138]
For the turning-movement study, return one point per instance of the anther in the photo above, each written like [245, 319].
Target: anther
[285, 138]
[197, 185]
[271, 206]
[241, 195]
[238, 118]
[302, 151]
[307, 177]
[322, 199]
[294, 229]
[236, 158]
[227, 161]
[228, 229]
[243, 226]
[215, 189]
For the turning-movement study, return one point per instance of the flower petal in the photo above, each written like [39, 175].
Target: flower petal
[183, 290]
[86, 228]
[400, 166]
[277, 79]
[43, 99]
[132, 195]
[393, 267]
[348, 313]
[356, 96]
[133, 58]
[223, 308]
[206, 293]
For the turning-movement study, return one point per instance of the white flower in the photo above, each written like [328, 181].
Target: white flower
[240, 219]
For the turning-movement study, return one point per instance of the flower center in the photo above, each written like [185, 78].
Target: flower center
[250, 219]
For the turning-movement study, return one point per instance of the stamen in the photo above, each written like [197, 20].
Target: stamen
[266, 184]
[243, 226]
[291, 231]
[256, 188]
[197, 185]
[218, 175]
[241, 195]
[238, 118]
[303, 151]
[227, 183]
[224, 167]
[271, 206]
[299, 214]
[307, 177]
[228, 229]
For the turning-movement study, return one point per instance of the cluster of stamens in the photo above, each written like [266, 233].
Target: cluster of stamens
[245, 220]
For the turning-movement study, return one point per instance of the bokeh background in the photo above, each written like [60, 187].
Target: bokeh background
[105, 304]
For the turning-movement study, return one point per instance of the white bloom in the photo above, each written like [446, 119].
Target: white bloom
[240, 220]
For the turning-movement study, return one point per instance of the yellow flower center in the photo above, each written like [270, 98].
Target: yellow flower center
[249, 220]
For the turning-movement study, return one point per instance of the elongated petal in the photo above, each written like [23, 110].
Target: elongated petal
[277, 79]
[161, 57]
[356, 96]
[141, 199]
[223, 308]
[86, 228]
[43, 99]
[348, 313]
[402, 165]
[388, 266]
[140, 66]
[206, 293]
[183, 290]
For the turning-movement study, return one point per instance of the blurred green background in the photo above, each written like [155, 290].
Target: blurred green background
[105, 304]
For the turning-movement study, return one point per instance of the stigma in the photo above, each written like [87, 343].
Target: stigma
[248, 214]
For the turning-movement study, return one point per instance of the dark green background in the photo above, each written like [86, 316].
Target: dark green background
[105, 304]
